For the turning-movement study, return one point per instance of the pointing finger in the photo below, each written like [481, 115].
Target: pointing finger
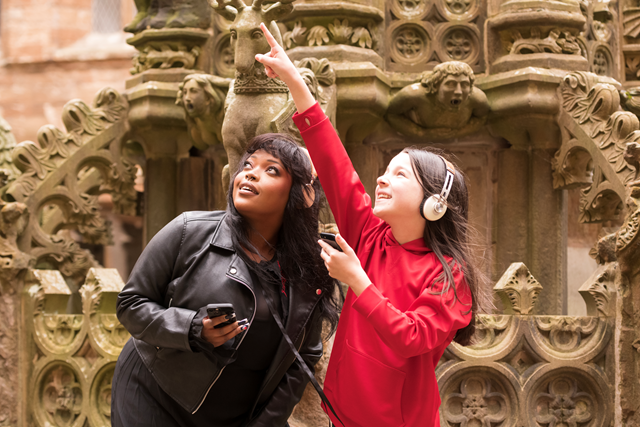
[267, 34]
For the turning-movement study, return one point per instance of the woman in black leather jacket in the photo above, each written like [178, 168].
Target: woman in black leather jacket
[259, 255]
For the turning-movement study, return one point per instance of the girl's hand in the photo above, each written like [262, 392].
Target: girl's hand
[276, 62]
[344, 266]
[217, 337]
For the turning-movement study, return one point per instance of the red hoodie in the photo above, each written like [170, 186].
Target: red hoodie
[390, 338]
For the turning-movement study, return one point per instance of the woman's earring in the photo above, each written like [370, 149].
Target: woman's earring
[309, 195]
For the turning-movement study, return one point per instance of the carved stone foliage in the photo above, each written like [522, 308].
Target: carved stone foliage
[76, 354]
[594, 137]
[62, 175]
[558, 40]
[336, 32]
[168, 48]
[519, 37]
[518, 290]
[598, 291]
[421, 34]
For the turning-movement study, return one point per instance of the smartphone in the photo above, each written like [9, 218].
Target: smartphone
[330, 239]
[225, 309]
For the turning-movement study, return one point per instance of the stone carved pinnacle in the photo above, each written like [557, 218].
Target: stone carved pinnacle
[518, 290]
[100, 282]
[51, 292]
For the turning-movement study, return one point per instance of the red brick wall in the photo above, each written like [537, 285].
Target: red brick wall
[32, 95]
[32, 29]
[33, 86]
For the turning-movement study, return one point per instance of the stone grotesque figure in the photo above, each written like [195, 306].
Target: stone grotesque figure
[443, 104]
[203, 97]
[170, 14]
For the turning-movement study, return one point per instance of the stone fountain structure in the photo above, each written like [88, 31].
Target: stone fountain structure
[533, 97]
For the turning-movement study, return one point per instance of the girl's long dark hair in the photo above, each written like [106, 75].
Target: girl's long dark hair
[450, 235]
[297, 249]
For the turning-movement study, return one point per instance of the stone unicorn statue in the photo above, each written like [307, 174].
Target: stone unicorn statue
[257, 104]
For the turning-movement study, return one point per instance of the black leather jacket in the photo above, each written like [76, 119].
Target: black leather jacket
[190, 263]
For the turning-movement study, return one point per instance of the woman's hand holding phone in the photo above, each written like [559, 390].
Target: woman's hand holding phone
[219, 336]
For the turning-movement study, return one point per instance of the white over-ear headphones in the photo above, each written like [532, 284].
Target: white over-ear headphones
[434, 207]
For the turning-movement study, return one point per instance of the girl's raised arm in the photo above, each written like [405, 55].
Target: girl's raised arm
[350, 204]
[277, 64]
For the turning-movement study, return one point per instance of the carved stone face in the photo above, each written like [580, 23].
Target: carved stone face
[196, 101]
[454, 90]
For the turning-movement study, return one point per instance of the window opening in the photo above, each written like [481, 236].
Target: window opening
[106, 16]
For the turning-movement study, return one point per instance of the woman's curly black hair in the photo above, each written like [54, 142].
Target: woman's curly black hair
[297, 248]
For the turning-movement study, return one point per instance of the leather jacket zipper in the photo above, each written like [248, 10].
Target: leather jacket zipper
[255, 308]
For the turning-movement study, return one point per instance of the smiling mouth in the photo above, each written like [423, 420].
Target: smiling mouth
[247, 188]
[383, 197]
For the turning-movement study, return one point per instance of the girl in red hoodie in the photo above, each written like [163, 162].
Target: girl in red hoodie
[408, 266]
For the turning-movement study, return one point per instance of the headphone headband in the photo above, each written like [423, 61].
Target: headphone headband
[450, 171]
[436, 205]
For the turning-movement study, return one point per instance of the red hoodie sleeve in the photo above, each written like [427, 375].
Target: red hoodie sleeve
[350, 204]
[425, 326]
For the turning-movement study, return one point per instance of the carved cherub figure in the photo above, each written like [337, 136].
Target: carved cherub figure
[443, 104]
[203, 97]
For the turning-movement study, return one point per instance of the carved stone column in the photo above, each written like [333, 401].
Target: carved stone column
[13, 402]
[530, 215]
[158, 125]
[168, 51]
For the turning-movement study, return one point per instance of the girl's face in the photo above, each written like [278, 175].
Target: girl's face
[261, 189]
[398, 193]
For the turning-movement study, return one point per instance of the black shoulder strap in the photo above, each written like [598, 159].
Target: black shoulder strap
[302, 363]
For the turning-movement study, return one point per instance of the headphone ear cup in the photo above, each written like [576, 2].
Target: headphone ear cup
[309, 195]
[433, 208]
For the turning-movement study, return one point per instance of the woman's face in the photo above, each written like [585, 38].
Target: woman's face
[261, 189]
[398, 193]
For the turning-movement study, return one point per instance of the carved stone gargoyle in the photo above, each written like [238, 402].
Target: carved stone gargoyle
[203, 97]
[444, 104]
